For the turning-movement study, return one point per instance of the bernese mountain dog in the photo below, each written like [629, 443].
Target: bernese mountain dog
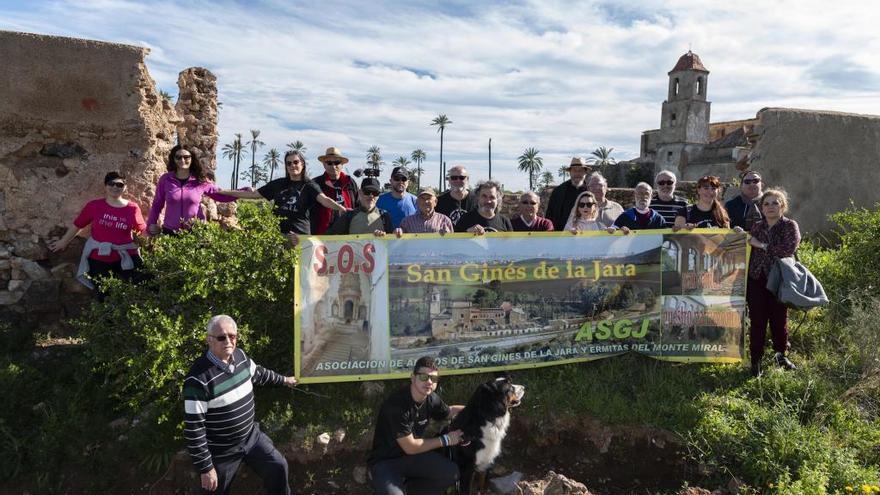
[483, 423]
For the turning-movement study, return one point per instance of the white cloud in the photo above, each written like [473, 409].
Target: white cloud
[564, 77]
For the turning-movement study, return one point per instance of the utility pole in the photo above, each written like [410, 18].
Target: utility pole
[490, 158]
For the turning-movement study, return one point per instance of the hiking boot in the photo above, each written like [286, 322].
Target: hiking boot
[783, 362]
[756, 369]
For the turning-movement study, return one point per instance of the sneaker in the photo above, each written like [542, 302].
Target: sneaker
[783, 362]
[756, 369]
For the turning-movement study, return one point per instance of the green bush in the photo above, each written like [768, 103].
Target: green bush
[144, 337]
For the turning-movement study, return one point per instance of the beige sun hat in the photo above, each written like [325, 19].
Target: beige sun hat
[333, 152]
[577, 162]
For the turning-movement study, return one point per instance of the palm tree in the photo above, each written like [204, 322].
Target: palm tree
[271, 160]
[562, 172]
[441, 121]
[254, 143]
[418, 156]
[166, 95]
[234, 151]
[530, 162]
[546, 178]
[297, 146]
[602, 156]
[401, 161]
[374, 157]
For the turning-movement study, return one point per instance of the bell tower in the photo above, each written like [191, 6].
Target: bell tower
[685, 115]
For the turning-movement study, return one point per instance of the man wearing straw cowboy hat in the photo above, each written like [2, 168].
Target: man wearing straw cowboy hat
[563, 196]
[336, 185]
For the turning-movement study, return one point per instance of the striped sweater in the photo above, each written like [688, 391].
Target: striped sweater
[220, 406]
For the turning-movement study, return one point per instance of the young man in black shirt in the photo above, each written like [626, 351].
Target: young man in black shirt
[401, 460]
[485, 218]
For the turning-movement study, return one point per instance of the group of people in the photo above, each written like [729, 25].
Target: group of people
[333, 204]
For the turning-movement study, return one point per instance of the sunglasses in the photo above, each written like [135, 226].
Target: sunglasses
[295, 162]
[532, 203]
[183, 157]
[222, 338]
[586, 205]
[752, 181]
[371, 193]
[116, 184]
[334, 164]
[665, 182]
[457, 177]
[400, 178]
[423, 377]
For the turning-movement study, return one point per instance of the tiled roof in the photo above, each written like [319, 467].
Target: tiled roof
[689, 61]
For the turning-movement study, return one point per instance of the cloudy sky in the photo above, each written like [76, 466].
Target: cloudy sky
[563, 77]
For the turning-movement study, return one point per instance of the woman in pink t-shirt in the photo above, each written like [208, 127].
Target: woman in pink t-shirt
[110, 248]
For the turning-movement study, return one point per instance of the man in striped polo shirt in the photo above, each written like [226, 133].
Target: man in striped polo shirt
[219, 426]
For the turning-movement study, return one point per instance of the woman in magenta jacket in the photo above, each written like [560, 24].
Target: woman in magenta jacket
[179, 192]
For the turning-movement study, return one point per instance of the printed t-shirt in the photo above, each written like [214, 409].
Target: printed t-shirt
[111, 224]
[293, 201]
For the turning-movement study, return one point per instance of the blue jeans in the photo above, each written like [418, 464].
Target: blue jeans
[428, 473]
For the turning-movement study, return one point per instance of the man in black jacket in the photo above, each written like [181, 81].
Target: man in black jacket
[743, 209]
[366, 219]
[562, 198]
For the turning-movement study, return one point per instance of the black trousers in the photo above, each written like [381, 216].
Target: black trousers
[258, 452]
[428, 473]
[103, 269]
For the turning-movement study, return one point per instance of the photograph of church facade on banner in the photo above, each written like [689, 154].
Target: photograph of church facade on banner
[341, 313]
[488, 302]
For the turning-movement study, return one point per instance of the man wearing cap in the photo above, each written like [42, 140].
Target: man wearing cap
[427, 220]
[564, 195]
[367, 218]
[743, 209]
[336, 185]
[528, 219]
[398, 202]
[458, 200]
[486, 217]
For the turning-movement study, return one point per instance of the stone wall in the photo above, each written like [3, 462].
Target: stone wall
[71, 110]
[822, 159]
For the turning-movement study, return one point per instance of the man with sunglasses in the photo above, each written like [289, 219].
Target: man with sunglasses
[528, 219]
[401, 459]
[219, 422]
[743, 209]
[458, 200]
[367, 218]
[563, 196]
[398, 202]
[336, 185]
[665, 202]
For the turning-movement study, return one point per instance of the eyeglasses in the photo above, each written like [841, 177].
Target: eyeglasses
[295, 162]
[458, 177]
[665, 182]
[532, 203]
[183, 157]
[772, 203]
[423, 377]
[222, 338]
[333, 164]
[371, 193]
[752, 181]
[116, 184]
[400, 178]
[586, 205]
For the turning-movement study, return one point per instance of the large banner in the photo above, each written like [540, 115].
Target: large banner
[367, 307]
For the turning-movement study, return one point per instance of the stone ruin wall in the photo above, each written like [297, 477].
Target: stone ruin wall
[72, 110]
[824, 160]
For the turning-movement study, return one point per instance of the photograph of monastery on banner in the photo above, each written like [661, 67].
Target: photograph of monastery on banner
[341, 315]
[488, 302]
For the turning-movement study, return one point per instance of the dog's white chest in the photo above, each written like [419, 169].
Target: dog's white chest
[492, 435]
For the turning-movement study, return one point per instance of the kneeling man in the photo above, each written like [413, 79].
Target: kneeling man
[401, 461]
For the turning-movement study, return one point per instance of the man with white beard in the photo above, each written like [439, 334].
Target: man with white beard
[640, 216]
[458, 200]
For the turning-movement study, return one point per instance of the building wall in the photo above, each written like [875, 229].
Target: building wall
[823, 159]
